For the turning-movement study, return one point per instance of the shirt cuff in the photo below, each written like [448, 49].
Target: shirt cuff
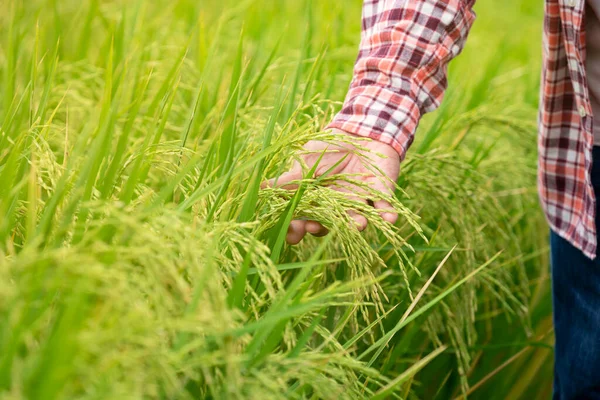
[380, 114]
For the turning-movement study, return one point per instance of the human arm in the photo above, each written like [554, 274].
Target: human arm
[400, 72]
[399, 75]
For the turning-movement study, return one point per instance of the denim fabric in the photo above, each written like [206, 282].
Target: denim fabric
[576, 303]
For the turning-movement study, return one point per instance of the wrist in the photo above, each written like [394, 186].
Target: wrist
[375, 144]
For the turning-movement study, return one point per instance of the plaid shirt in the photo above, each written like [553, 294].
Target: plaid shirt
[400, 74]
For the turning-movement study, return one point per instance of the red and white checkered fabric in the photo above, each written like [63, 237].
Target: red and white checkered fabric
[400, 74]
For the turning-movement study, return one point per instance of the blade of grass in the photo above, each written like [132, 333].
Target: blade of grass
[382, 341]
[387, 390]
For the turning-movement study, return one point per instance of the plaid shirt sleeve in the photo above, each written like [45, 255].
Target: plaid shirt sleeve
[400, 73]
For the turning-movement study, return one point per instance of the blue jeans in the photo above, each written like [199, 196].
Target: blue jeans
[576, 303]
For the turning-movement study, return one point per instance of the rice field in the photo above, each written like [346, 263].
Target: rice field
[140, 257]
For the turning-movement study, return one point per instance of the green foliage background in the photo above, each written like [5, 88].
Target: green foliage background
[140, 259]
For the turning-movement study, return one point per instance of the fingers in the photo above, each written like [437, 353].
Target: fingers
[387, 212]
[296, 232]
[359, 220]
[283, 181]
[298, 229]
[351, 193]
[316, 229]
[389, 215]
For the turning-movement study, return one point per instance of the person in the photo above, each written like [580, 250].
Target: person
[400, 74]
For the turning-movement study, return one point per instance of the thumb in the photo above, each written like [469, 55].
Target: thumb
[284, 180]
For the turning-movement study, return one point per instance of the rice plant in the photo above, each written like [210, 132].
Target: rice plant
[141, 258]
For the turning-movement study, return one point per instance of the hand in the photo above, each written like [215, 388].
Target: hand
[374, 163]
